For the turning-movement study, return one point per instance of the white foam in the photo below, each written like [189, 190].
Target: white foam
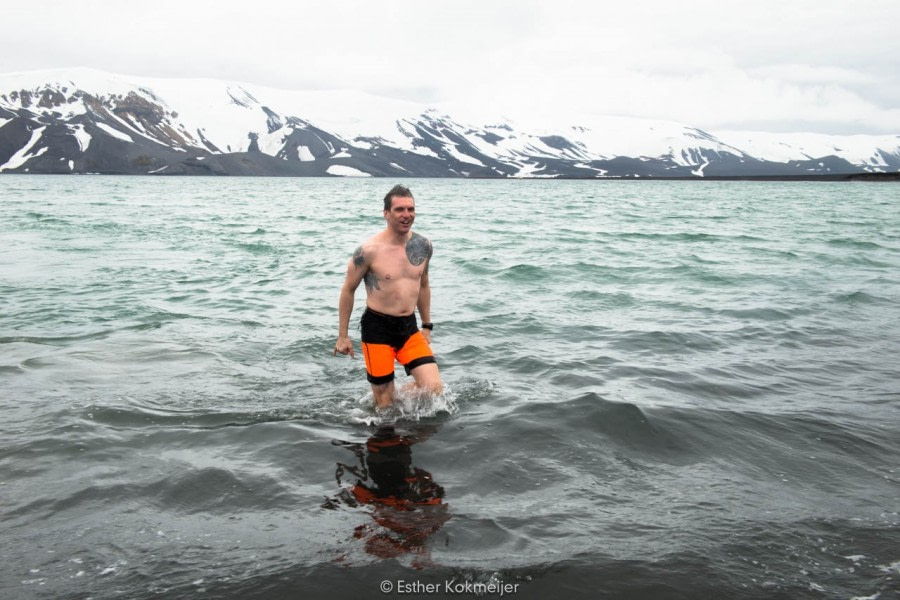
[408, 405]
[891, 568]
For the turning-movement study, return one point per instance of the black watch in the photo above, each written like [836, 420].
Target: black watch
[429, 326]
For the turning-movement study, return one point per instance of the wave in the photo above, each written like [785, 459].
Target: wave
[861, 297]
[524, 273]
[851, 243]
[666, 342]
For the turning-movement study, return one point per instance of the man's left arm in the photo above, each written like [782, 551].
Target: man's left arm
[424, 302]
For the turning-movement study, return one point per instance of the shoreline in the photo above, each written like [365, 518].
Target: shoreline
[862, 176]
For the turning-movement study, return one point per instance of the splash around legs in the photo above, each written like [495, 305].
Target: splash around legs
[426, 383]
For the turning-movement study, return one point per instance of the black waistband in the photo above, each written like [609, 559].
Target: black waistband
[386, 316]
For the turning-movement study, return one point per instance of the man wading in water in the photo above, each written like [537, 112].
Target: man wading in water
[394, 266]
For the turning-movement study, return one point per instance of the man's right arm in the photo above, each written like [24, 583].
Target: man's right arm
[356, 270]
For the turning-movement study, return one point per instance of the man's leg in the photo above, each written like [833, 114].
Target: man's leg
[418, 358]
[380, 372]
[383, 394]
[428, 378]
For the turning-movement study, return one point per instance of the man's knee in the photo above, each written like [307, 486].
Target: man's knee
[428, 377]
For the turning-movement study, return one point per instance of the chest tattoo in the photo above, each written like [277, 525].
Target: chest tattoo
[371, 280]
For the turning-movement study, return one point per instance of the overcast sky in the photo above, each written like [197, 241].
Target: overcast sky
[786, 65]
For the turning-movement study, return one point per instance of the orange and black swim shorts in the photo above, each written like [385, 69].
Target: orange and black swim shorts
[386, 338]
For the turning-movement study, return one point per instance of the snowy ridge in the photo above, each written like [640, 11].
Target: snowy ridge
[81, 120]
[856, 149]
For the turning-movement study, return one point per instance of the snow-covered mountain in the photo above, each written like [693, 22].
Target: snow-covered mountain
[85, 121]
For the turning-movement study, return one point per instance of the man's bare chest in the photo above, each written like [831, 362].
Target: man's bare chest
[392, 263]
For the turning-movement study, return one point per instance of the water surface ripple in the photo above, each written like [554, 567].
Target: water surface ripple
[657, 390]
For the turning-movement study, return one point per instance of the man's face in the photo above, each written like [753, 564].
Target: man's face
[402, 214]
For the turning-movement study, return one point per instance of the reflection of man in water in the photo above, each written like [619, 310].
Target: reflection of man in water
[408, 504]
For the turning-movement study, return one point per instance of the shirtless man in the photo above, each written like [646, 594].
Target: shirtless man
[394, 266]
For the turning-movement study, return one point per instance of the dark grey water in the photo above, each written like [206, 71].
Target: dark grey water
[657, 390]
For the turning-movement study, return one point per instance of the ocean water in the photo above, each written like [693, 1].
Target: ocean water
[656, 390]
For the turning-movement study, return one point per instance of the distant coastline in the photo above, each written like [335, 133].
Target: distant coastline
[871, 177]
[848, 177]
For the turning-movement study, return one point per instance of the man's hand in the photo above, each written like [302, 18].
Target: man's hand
[426, 333]
[344, 346]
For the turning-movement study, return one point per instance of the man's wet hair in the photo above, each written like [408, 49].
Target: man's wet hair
[398, 191]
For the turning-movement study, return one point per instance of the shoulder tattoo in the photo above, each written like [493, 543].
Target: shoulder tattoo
[370, 279]
[418, 249]
[358, 258]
